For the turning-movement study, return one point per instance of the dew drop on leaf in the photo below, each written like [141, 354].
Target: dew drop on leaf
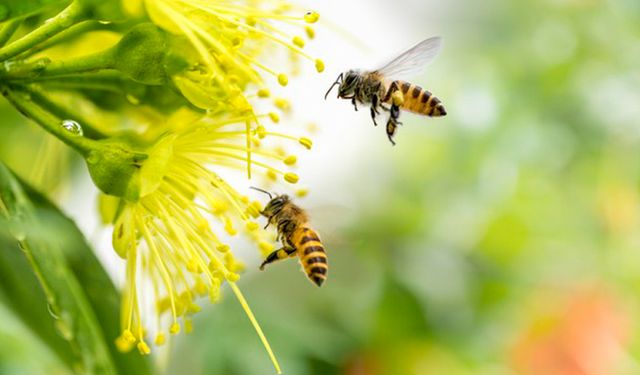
[64, 329]
[132, 99]
[10, 65]
[72, 127]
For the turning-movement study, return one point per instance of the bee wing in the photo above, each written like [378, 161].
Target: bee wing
[331, 221]
[413, 61]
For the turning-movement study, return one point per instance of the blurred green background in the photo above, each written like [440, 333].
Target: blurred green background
[504, 239]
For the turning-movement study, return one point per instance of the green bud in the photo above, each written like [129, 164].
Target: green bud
[140, 54]
[119, 171]
[114, 168]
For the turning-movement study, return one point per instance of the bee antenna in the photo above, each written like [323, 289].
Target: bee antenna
[337, 82]
[262, 191]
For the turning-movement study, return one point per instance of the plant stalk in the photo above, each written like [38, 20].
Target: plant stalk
[72, 14]
[8, 29]
[23, 102]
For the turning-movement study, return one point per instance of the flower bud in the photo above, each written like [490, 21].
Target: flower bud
[140, 54]
[114, 168]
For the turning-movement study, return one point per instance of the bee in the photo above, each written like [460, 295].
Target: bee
[296, 237]
[385, 86]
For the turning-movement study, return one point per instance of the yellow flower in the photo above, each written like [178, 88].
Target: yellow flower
[219, 47]
[225, 43]
[168, 237]
[174, 237]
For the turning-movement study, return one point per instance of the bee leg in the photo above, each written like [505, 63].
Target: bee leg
[374, 108]
[394, 113]
[391, 131]
[282, 253]
[353, 101]
[373, 116]
[392, 123]
[375, 103]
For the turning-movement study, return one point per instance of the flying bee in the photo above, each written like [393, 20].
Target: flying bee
[386, 86]
[296, 237]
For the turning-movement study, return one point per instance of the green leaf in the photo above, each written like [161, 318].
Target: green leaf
[56, 285]
[10, 9]
[19, 289]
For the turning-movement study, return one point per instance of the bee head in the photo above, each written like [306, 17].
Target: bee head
[348, 85]
[346, 82]
[275, 204]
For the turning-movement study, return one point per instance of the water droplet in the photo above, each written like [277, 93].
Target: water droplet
[63, 329]
[19, 234]
[10, 65]
[105, 22]
[72, 127]
[132, 99]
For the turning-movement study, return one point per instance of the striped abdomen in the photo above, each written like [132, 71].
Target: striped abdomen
[311, 253]
[419, 100]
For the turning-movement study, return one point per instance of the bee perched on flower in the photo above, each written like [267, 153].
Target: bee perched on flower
[158, 97]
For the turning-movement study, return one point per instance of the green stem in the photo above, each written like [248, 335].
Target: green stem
[8, 29]
[97, 61]
[43, 68]
[60, 112]
[23, 69]
[94, 81]
[75, 30]
[65, 19]
[22, 102]
[105, 80]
